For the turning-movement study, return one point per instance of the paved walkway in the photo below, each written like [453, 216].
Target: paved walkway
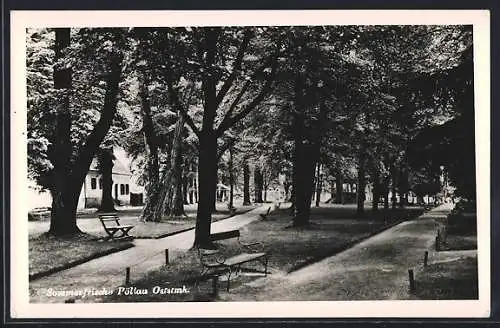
[375, 269]
[109, 271]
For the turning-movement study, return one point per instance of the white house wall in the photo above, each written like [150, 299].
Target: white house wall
[93, 196]
[44, 198]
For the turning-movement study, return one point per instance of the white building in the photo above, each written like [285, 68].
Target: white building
[125, 191]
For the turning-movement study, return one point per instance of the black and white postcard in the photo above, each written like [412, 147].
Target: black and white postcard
[180, 164]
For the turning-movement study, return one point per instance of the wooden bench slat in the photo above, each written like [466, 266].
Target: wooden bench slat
[224, 235]
[242, 258]
[219, 266]
[113, 229]
[120, 227]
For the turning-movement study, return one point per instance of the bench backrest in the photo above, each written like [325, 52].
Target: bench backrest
[225, 235]
[104, 218]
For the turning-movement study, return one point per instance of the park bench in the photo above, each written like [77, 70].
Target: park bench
[215, 263]
[265, 215]
[39, 213]
[111, 224]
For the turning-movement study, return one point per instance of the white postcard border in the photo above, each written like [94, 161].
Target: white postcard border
[20, 306]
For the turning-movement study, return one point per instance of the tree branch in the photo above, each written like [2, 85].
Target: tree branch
[100, 130]
[240, 94]
[174, 95]
[224, 147]
[236, 67]
[230, 120]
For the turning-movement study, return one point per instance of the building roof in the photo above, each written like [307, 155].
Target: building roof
[118, 167]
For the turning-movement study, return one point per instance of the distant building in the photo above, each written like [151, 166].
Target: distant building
[123, 186]
[124, 191]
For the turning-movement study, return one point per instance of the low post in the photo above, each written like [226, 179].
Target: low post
[127, 276]
[412, 280]
[166, 256]
[215, 285]
[426, 258]
[438, 240]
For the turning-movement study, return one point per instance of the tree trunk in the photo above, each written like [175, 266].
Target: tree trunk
[214, 191]
[185, 189]
[176, 207]
[376, 189]
[167, 198]
[318, 185]
[231, 178]
[386, 192]
[298, 136]
[393, 186]
[404, 184]
[191, 185]
[106, 168]
[174, 204]
[304, 161]
[339, 188]
[195, 187]
[153, 187]
[246, 183]
[68, 177]
[332, 191]
[292, 200]
[286, 186]
[264, 185]
[207, 168]
[306, 165]
[360, 188]
[62, 216]
[258, 185]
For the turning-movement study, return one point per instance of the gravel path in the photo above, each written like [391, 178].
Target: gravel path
[375, 269]
[108, 272]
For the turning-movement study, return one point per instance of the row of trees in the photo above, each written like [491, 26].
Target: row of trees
[381, 102]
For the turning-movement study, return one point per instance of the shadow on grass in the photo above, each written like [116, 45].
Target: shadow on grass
[48, 254]
[458, 232]
[333, 229]
[184, 274]
[456, 280]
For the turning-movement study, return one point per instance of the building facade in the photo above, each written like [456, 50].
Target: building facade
[124, 191]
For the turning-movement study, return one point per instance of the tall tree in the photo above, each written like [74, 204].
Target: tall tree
[208, 44]
[73, 139]
[246, 183]
[105, 164]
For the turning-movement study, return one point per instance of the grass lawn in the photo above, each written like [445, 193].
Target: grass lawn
[459, 232]
[89, 223]
[451, 280]
[50, 254]
[333, 228]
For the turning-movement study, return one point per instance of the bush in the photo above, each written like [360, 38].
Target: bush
[465, 206]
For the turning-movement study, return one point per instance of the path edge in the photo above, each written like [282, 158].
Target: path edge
[75, 263]
[349, 244]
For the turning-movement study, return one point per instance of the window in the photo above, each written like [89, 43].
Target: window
[122, 189]
[93, 183]
[127, 190]
[100, 183]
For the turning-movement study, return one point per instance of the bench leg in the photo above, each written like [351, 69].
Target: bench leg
[265, 267]
[229, 279]
[125, 231]
[111, 234]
